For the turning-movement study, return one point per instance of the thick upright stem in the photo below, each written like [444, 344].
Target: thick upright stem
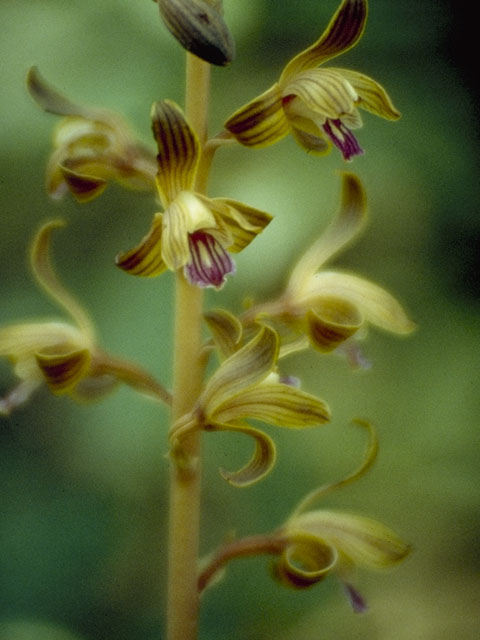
[182, 606]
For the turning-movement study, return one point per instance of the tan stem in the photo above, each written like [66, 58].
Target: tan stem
[185, 478]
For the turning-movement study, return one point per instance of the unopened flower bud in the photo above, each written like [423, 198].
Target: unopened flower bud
[199, 27]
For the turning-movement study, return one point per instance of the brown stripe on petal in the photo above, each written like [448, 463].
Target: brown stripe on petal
[261, 122]
[146, 258]
[63, 372]
[83, 188]
[178, 150]
[345, 29]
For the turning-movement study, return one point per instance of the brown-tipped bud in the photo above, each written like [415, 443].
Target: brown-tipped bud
[199, 27]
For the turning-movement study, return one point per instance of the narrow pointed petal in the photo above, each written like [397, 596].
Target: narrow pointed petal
[243, 222]
[344, 227]
[18, 396]
[333, 321]
[178, 150]
[249, 365]
[47, 278]
[53, 101]
[63, 371]
[261, 462]
[261, 122]
[361, 540]
[146, 258]
[226, 330]
[376, 304]
[321, 92]
[345, 29]
[371, 96]
[20, 341]
[306, 560]
[275, 403]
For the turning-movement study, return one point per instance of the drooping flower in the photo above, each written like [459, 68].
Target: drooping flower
[247, 386]
[91, 147]
[194, 233]
[318, 106]
[318, 542]
[330, 306]
[64, 355]
[314, 543]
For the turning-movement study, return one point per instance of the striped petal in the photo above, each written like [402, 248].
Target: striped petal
[261, 122]
[226, 330]
[63, 371]
[360, 540]
[82, 186]
[346, 224]
[275, 403]
[146, 258]
[243, 222]
[333, 321]
[376, 304]
[178, 150]
[321, 94]
[371, 96]
[344, 31]
[261, 462]
[248, 366]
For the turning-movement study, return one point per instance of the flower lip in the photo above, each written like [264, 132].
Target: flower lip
[343, 138]
[209, 262]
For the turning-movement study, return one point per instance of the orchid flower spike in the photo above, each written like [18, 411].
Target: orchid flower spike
[328, 307]
[246, 386]
[64, 355]
[91, 147]
[317, 105]
[194, 233]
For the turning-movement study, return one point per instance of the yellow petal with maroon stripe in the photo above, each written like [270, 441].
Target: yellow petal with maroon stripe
[344, 31]
[178, 150]
[63, 371]
[146, 258]
[261, 122]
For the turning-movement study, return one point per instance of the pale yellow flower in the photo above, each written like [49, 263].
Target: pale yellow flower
[64, 355]
[318, 106]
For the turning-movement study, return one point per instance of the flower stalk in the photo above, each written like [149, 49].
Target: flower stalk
[185, 476]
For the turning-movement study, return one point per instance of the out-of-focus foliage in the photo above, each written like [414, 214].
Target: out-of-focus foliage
[83, 508]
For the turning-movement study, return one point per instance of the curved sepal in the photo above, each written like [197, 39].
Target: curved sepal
[344, 227]
[343, 32]
[178, 150]
[249, 365]
[360, 540]
[371, 95]
[242, 221]
[275, 403]
[261, 122]
[47, 278]
[146, 258]
[226, 330]
[261, 462]
[377, 305]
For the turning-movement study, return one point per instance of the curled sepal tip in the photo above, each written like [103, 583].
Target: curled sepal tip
[261, 462]
[226, 330]
[200, 28]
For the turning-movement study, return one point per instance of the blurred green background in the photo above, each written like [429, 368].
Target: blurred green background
[83, 506]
